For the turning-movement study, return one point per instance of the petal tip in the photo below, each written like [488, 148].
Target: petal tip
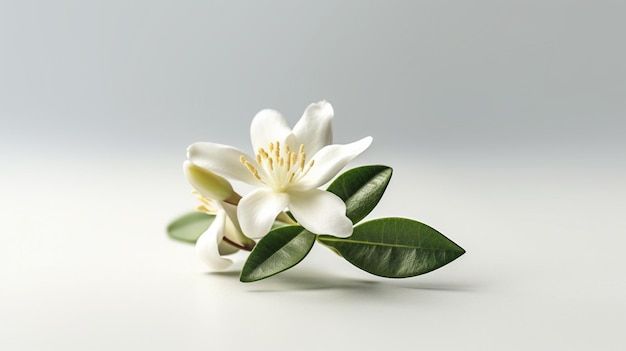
[365, 143]
[324, 109]
[267, 114]
[345, 229]
[190, 150]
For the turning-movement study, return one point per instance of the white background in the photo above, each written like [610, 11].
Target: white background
[503, 122]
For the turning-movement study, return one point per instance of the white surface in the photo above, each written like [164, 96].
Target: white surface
[86, 264]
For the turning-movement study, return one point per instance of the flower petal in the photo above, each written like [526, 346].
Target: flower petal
[231, 212]
[268, 126]
[329, 161]
[232, 229]
[207, 245]
[314, 129]
[320, 212]
[224, 248]
[222, 160]
[257, 211]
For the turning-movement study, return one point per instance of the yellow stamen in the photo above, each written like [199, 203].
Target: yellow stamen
[205, 203]
[279, 167]
[302, 160]
[250, 167]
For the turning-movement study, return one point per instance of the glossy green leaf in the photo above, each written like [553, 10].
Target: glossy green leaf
[281, 249]
[395, 247]
[190, 226]
[361, 188]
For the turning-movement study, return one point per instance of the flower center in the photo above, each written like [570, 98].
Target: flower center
[279, 168]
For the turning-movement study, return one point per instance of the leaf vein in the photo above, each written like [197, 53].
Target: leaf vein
[371, 243]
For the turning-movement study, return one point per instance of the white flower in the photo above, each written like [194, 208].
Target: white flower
[288, 168]
[223, 237]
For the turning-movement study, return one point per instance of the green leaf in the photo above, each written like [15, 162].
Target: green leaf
[190, 226]
[281, 249]
[395, 247]
[361, 188]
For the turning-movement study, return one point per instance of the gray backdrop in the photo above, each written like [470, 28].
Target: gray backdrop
[468, 77]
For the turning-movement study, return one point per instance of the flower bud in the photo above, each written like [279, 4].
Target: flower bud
[208, 183]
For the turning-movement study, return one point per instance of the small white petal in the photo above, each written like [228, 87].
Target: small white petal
[330, 160]
[320, 212]
[207, 245]
[258, 210]
[268, 126]
[232, 230]
[231, 212]
[314, 129]
[222, 160]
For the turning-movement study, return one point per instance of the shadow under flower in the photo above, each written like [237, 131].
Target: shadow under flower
[310, 279]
